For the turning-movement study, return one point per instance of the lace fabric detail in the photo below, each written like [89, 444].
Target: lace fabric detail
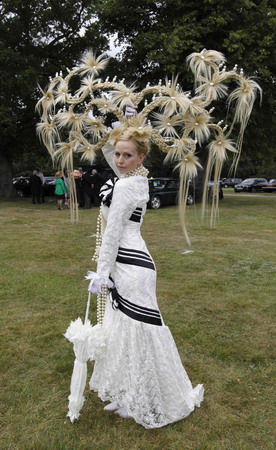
[143, 372]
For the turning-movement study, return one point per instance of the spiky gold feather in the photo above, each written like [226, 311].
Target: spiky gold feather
[88, 152]
[61, 92]
[64, 155]
[212, 89]
[200, 63]
[137, 121]
[123, 95]
[70, 120]
[92, 64]
[244, 96]
[87, 85]
[219, 147]
[46, 103]
[49, 135]
[199, 126]
[173, 98]
[187, 170]
[196, 105]
[180, 149]
[94, 126]
[166, 124]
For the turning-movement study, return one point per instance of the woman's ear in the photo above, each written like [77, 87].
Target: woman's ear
[142, 157]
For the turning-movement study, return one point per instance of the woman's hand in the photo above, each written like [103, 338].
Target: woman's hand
[97, 282]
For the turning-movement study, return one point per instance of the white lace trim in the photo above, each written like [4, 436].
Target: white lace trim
[143, 373]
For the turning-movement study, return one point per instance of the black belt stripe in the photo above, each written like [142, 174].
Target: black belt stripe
[134, 218]
[136, 215]
[135, 258]
[140, 317]
[131, 250]
[129, 255]
[139, 309]
[135, 262]
[136, 312]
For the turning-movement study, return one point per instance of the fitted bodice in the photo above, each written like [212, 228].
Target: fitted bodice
[124, 217]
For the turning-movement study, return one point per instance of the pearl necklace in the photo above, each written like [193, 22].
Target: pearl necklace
[99, 236]
[139, 171]
[101, 298]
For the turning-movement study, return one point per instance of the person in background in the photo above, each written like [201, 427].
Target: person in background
[96, 184]
[41, 176]
[60, 189]
[87, 180]
[36, 185]
[77, 180]
[81, 191]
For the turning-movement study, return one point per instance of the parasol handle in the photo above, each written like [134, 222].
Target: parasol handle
[87, 308]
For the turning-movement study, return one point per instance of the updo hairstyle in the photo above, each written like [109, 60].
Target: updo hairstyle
[142, 144]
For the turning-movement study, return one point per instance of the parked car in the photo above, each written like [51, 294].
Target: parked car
[165, 191]
[230, 182]
[251, 185]
[23, 188]
[49, 186]
[270, 186]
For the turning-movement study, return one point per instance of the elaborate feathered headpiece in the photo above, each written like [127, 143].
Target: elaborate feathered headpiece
[77, 120]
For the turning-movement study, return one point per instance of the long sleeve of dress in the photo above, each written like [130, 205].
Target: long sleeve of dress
[109, 152]
[124, 202]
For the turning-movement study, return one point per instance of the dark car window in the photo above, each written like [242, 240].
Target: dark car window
[157, 184]
[248, 181]
[172, 184]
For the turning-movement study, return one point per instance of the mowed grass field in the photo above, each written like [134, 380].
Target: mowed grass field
[218, 301]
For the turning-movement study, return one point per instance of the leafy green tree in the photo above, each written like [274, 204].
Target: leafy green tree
[37, 38]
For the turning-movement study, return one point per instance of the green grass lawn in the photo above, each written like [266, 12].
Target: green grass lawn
[218, 302]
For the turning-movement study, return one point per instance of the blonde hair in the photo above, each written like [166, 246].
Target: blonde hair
[142, 145]
[59, 174]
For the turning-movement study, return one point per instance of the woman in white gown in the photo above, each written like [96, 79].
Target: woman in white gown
[141, 373]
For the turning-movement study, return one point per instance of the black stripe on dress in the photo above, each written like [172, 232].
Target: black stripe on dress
[135, 262]
[134, 255]
[136, 215]
[136, 312]
[135, 258]
[132, 250]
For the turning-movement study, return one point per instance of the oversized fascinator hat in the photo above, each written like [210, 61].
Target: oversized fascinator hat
[78, 120]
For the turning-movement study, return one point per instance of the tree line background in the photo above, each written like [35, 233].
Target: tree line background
[40, 37]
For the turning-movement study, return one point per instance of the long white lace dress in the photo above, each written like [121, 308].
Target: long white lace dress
[141, 370]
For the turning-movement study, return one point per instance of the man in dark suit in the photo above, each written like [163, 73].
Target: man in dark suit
[86, 183]
[97, 183]
[36, 187]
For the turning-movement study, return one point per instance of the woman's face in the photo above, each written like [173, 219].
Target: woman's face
[127, 157]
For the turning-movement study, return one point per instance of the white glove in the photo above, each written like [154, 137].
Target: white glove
[97, 282]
